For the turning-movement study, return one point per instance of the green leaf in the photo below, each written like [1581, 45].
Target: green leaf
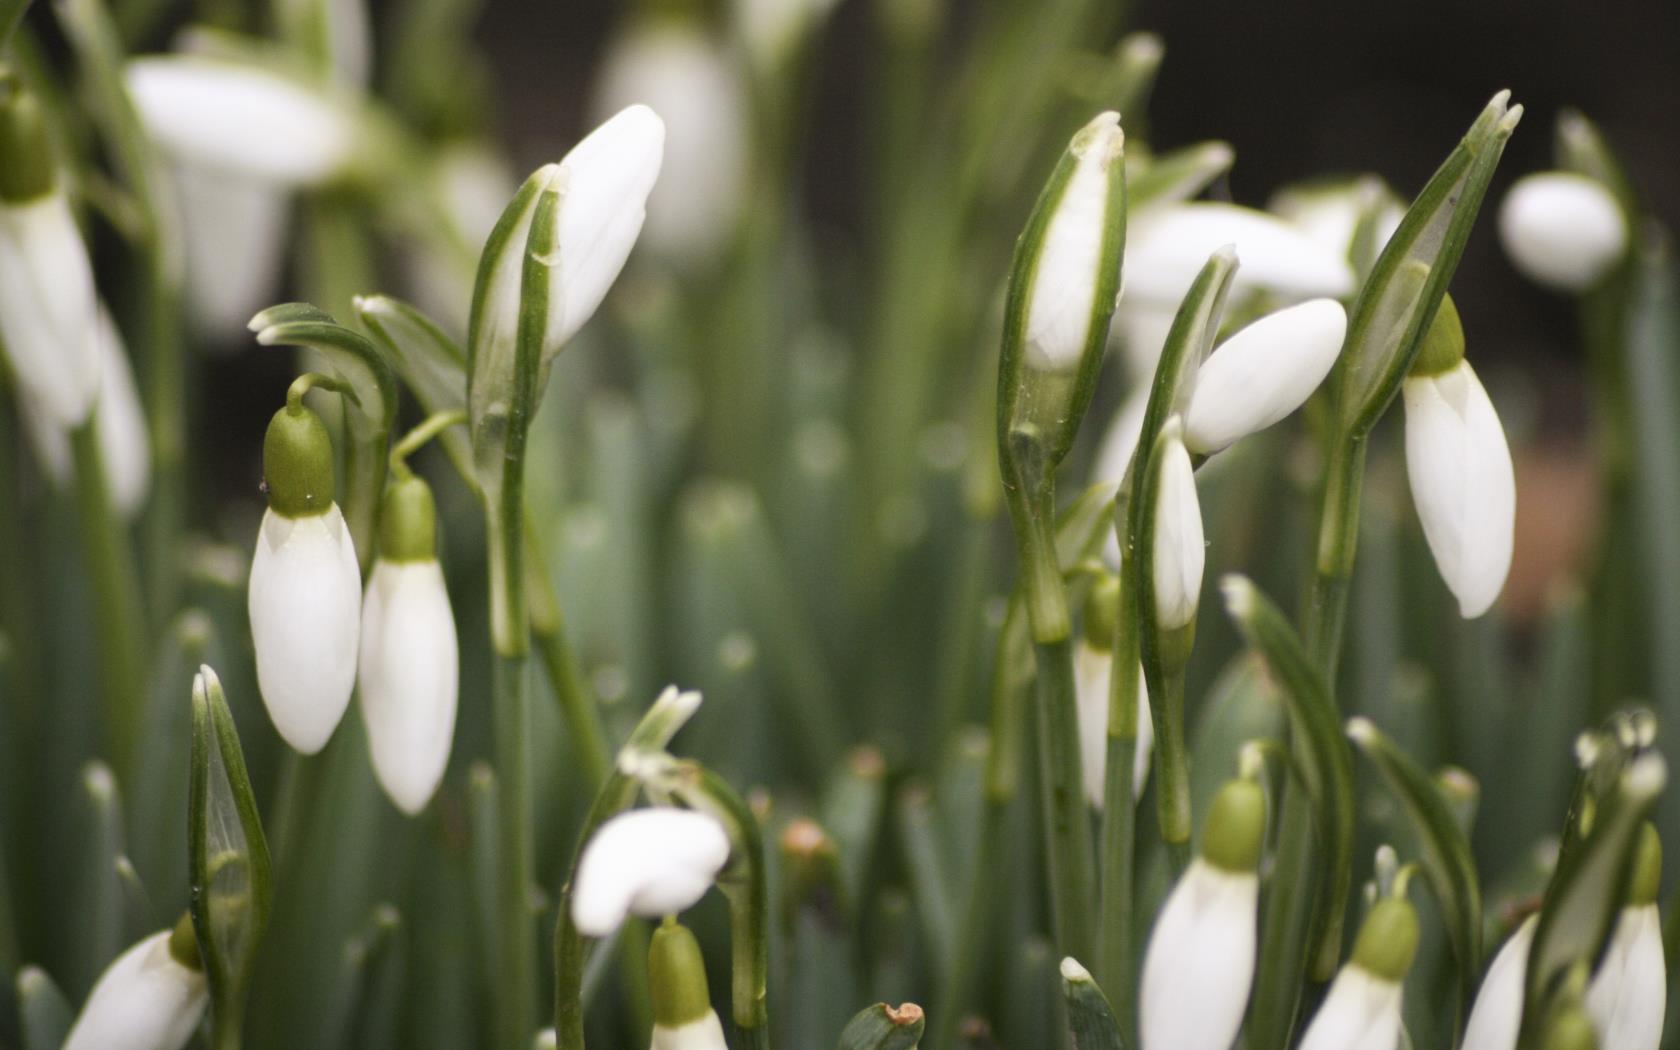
[231, 875]
[1180, 174]
[370, 970]
[1447, 861]
[1326, 764]
[43, 1013]
[351, 356]
[429, 362]
[851, 809]
[1091, 1024]
[98, 912]
[934, 887]
[882, 1027]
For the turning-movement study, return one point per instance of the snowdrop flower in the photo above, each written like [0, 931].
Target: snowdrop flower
[124, 445]
[647, 862]
[1460, 468]
[674, 67]
[241, 120]
[1062, 299]
[1629, 993]
[683, 1018]
[1362, 1009]
[150, 998]
[1168, 246]
[233, 233]
[409, 657]
[1200, 962]
[48, 311]
[1331, 213]
[1263, 373]
[1180, 550]
[1497, 1014]
[1093, 668]
[306, 589]
[1562, 230]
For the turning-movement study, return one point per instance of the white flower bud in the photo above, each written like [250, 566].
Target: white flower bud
[1200, 963]
[48, 310]
[408, 677]
[1629, 993]
[647, 862]
[233, 232]
[1093, 670]
[145, 1000]
[1361, 1012]
[706, 1033]
[1062, 301]
[1167, 247]
[1497, 1014]
[240, 119]
[1462, 482]
[1263, 373]
[675, 68]
[1562, 230]
[305, 611]
[1180, 550]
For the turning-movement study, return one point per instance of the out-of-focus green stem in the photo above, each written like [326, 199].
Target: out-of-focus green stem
[11, 13]
[1338, 535]
[548, 627]
[118, 611]
[1062, 794]
[516, 977]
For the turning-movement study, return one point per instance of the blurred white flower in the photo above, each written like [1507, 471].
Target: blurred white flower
[234, 237]
[1497, 1014]
[1180, 549]
[1462, 482]
[675, 68]
[409, 679]
[305, 610]
[1263, 373]
[1361, 1012]
[1331, 214]
[773, 29]
[472, 184]
[1093, 670]
[1629, 993]
[1562, 230]
[145, 1000]
[647, 862]
[1200, 963]
[1167, 247]
[703, 1034]
[48, 310]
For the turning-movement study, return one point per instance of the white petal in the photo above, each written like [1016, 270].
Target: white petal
[1497, 1013]
[606, 178]
[705, 1033]
[1092, 672]
[240, 119]
[1200, 962]
[234, 231]
[1064, 285]
[1331, 216]
[48, 312]
[1167, 247]
[1629, 993]
[145, 1000]
[683, 75]
[650, 862]
[1462, 483]
[305, 608]
[1562, 230]
[1263, 373]
[1361, 1012]
[409, 678]
[124, 445]
[1180, 550]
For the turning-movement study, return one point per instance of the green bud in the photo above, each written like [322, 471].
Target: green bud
[183, 943]
[1645, 873]
[1570, 1029]
[26, 165]
[1102, 612]
[298, 463]
[1236, 827]
[1443, 345]
[407, 521]
[1388, 940]
[677, 977]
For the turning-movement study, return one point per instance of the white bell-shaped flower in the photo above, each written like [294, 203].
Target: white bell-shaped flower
[1062, 300]
[49, 321]
[1462, 481]
[1362, 1009]
[241, 119]
[1200, 963]
[1167, 247]
[702, 1033]
[1180, 549]
[1628, 996]
[1496, 1016]
[1562, 230]
[683, 1018]
[674, 67]
[148, 999]
[1263, 373]
[647, 862]
[305, 596]
[1093, 670]
[233, 232]
[409, 663]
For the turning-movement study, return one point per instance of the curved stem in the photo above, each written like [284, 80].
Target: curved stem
[429, 428]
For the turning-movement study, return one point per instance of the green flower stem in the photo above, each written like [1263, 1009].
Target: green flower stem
[1284, 924]
[1115, 936]
[118, 610]
[1062, 796]
[1338, 534]
[516, 977]
[745, 884]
